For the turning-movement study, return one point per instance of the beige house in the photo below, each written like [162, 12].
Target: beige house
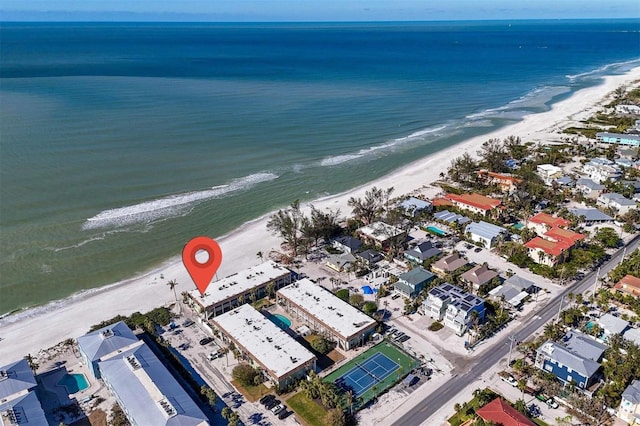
[629, 410]
[449, 264]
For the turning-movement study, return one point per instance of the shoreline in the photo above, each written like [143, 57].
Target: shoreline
[71, 317]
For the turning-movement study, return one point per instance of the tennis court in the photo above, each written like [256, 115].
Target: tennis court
[365, 375]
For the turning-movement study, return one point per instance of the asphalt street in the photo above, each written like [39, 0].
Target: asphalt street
[500, 347]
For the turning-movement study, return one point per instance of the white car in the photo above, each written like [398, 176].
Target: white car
[513, 382]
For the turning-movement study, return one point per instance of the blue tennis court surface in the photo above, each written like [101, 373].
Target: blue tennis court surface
[366, 374]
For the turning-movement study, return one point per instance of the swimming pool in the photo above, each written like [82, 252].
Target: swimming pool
[281, 321]
[73, 382]
[436, 230]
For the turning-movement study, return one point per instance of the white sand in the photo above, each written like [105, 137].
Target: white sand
[29, 331]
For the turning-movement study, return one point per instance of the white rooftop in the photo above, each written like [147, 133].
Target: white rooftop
[380, 231]
[265, 341]
[334, 312]
[240, 282]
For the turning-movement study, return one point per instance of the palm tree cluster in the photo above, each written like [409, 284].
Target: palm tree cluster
[315, 388]
[300, 232]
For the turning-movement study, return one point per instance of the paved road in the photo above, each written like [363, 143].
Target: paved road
[500, 348]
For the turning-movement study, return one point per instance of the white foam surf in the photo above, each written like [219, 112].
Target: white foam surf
[378, 149]
[171, 205]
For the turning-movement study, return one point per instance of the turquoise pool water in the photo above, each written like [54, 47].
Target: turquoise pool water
[436, 230]
[73, 382]
[519, 226]
[281, 321]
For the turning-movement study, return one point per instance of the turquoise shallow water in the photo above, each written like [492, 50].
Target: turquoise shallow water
[119, 142]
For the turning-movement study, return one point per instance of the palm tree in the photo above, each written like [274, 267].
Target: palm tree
[260, 256]
[172, 285]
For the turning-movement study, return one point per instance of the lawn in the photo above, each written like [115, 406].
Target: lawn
[308, 411]
[252, 393]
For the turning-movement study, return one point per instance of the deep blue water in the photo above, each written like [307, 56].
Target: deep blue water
[121, 141]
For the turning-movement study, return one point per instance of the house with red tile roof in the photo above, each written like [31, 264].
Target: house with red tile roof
[542, 222]
[552, 247]
[506, 182]
[629, 285]
[501, 413]
[475, 202]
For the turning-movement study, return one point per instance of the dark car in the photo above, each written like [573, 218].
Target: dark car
[477, 249]
[188, 323]
[404, 338]
[272, 403]
[284, 414]
[267, 398]
[206, 341]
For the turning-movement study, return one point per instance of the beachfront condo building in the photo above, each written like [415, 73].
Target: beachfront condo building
[326, 313]
[279, 356]
[239, 288]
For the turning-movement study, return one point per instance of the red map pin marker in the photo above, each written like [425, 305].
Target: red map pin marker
[202, 272]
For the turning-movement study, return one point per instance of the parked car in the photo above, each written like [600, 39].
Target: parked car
[188, 323]
[206, 341]
[184, 346]
[395, 296]
[551, 403]
[477, 249]
[284, 414]
[509, 379]
[273, 403]
[266, 399]
[278, 409]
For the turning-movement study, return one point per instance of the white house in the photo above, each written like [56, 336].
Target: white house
[454, 307]
[485, 233]
[548, 173]
[589, 188]
[600, 170]
[617, 201]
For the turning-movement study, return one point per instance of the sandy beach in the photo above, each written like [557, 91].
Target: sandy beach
[42, 327]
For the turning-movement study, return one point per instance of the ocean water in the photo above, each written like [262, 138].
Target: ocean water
[119, 142]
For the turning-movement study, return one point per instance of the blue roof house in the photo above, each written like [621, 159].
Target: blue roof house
[19, 404]
[573, 360]
[147, 392]
[101, 343]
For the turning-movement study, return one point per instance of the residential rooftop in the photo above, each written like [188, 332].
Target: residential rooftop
[450, 263]
[459, 298]
[499, 412]
[485, 229]
[106, 340]
[612, 324]
[632, 392]
[239, 283]
[380, 231]
[476, 200]
[479, 274]
[147, 391]
[266, 342]
[590, 214]
[548, 220]
[334, 312]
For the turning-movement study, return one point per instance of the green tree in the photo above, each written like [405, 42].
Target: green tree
[118, 418]
[343, 294]
[172, 286]
[271, 289]
[607, 237]
[209, 394]
[336, 417]
[369, 308]
[356, 300]
[322, 345]
[521, 406]
[288, 224]
[244, 374]
[370, 208]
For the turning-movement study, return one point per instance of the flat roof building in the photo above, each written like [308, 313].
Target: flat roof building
[326, 313]
[238, 288]
[618, 138]
[279, 355]
[381, 234]
[19, 404]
